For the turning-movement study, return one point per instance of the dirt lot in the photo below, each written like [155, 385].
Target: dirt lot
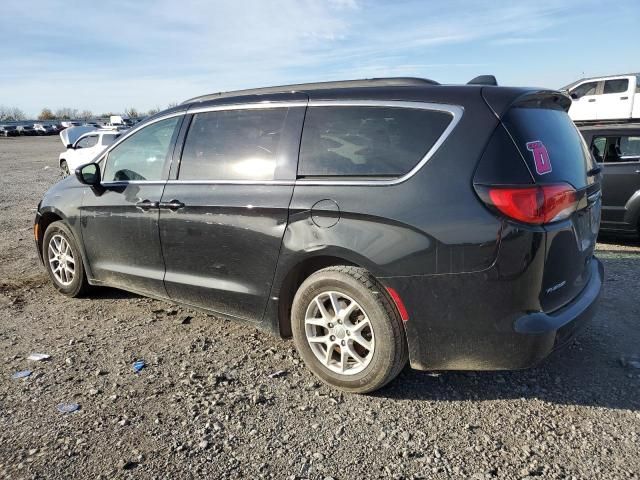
[206, 405]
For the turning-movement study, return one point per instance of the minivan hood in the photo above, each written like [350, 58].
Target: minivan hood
[71, 134]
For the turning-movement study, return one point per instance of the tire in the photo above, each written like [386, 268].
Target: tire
[58, 257]
[380, 343]
[65, 168]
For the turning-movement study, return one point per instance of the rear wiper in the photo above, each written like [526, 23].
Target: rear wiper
[594, 171]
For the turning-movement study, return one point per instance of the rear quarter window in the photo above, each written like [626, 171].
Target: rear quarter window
[568, 155]
[365, 141]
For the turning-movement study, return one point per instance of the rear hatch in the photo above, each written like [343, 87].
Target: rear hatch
[564, 190]
[556, 154]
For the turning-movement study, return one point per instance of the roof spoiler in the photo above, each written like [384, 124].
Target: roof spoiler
[483, 80]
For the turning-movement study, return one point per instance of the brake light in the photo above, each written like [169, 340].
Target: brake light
[536, 204]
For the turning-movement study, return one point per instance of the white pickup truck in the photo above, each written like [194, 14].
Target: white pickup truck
[615, 97]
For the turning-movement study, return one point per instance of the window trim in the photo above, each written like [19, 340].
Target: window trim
[168, 162]
[456, 112]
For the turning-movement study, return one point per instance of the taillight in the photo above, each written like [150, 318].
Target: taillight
[534, 204]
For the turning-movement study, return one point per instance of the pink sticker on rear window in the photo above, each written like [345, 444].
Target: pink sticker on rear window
[540, 157]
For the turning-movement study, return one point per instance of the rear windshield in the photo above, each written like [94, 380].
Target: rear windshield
[551, 145]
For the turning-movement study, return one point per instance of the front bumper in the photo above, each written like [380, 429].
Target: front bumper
[479, 321]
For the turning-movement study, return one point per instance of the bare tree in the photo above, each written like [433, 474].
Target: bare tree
[11, 114]
[66, 113]
[131, 112]
[153, 111]
[85, 115]
[172, 104]
[46, 114]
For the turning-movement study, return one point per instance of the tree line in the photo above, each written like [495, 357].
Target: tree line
[14, 114]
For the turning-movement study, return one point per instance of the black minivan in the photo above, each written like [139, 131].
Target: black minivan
[374, 221]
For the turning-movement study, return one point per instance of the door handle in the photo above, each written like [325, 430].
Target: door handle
[172, 205]
[592, 100]
[146, 205]
[624, 98]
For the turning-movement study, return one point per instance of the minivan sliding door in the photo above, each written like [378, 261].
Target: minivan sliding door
[223, 216]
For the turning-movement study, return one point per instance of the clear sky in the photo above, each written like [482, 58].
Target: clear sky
[112, 54]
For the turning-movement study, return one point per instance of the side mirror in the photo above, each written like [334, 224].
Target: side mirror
[89, 174]
[70, 146]
[574, 96]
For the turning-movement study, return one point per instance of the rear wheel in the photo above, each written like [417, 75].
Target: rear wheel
[65, 168]
[347, 331]
[63, 260]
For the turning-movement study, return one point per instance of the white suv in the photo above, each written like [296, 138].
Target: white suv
[84, 148]
[615, 97]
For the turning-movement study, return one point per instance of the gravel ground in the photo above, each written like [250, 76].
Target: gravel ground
[221, 400]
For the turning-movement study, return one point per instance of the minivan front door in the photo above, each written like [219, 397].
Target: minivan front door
[119, 222]
[223, 217]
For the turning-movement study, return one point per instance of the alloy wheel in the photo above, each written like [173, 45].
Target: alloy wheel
[339, 333]
[61, 261]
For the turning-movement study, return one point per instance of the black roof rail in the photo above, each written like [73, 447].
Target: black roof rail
[483, 80]
[301, 87]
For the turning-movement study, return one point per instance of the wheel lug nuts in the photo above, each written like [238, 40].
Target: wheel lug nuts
[332, 338]
[343, 343]
[339, 321]
[348, 332]
[331, 325]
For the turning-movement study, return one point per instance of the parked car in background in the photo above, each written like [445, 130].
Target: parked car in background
[617, 150]
[68, 124]
[615, 97]
[374, 221]
[26, 130]
[44, 129]
[8, 131]
[83, 145]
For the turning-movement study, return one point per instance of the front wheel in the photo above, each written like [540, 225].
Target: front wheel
[347, 331]
[63, 260]
[65, 168]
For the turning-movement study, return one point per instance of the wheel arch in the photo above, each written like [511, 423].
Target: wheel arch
[290, 283]
[46, 217]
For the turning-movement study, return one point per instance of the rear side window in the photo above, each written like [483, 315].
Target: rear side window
[551, 145]
[233, 145]
[109, 139]
[616, 86]
[367, 141]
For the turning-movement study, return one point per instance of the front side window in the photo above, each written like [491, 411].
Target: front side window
[588, 88]
[618, 148]
[630, 146]
[142, 156]
[87, 142]
[233, 145]
[367, 141]
[616, 86]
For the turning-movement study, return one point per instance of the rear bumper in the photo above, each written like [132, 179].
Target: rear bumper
[481, 321]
